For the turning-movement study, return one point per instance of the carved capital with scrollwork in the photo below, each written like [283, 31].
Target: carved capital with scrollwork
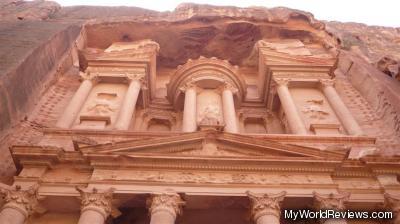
[331, 201]
[25, 201]
[188, 85]
[326, 82]
[169, 202]
[97, 201]
[392, 202]
[282, 81]
[265, 204]
[229, 86]
[94, 77]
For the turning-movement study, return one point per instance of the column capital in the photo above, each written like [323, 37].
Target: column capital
[97, 201]
[327, 82]
[168, 202]
[265, 204]
[89, 76]
[141, 78]
[282, 81]
[136, 76]
[331, 201]
[188, 85]
[25, 201]
[229, 86]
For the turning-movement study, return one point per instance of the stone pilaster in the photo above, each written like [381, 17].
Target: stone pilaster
[75, 104]
[293, 117]
[266, 208]
[95, 206]
[393, 203]
[189, 123]
[19, 204]
[164, 208]
[129, 104]
[228, 107]
[331, 202]
[342, 112]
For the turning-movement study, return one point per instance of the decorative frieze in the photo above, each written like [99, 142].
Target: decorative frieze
[209, 178]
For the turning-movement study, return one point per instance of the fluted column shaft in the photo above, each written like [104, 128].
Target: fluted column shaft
[95, 207]
[343, 113]
[71, 112]
[265, 208]
[129, 103]
[293, 117]
[164, 208]
[19, 205]
[189, 123]
[331, 202]
[228, 107]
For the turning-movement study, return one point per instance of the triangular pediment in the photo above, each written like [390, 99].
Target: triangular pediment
[212, 144]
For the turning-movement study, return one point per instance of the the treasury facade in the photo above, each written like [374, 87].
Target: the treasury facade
[201, 115]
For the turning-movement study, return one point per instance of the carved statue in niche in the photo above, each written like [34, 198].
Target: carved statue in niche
[210, 115]
[314, 109]
[103, 105]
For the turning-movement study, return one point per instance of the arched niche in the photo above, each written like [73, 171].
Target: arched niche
[206, 73]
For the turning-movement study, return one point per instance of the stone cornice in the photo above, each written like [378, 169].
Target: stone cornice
[364, 140]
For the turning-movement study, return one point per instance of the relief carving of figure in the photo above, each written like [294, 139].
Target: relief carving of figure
[314, 108]
[103, 105]
[210, 115]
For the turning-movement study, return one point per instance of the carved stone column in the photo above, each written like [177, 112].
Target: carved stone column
[129, 104]
[164, 208]
[295, 122]
[343, 113]
[189, 123]
[393, 203]
[95, 206]
[71, 112]
[228, 107]
[331, 202]
[265, 209]
[19, 204]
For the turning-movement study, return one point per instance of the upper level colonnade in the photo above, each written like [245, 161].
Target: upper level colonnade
[120, 90]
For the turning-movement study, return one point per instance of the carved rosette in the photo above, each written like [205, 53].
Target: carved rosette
[265, 204]
[392, 202]
[331, 201]
[171, 203]
[25, 201]
[327, 82]
[97, 201]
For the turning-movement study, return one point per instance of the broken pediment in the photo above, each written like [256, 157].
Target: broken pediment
[210, 144]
